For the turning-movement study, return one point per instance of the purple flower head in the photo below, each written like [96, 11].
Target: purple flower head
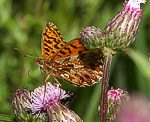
[53, 95]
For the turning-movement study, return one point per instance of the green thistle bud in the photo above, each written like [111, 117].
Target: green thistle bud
[21, 98]
[116, 98]
[121, 31]
[92, 38]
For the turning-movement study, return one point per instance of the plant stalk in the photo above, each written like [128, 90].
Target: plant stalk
[104, 89]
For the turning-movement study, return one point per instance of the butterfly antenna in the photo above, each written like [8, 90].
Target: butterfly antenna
[25, 54]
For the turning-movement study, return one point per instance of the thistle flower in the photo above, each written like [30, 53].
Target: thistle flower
[120, 32]
[42, 98]
[116, 97]
[51, 103]
[136, 110]
[45, 105]
[92, 38]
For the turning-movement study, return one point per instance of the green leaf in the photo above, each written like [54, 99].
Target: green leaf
[141, 62]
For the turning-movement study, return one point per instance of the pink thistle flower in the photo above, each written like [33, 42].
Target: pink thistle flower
[116, 98]
[48, 100]
[116, 94]
[53, 95]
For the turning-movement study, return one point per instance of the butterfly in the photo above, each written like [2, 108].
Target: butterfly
[70, 61]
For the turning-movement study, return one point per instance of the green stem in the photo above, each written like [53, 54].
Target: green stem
[104, 88]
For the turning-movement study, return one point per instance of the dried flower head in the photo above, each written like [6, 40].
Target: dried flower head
[121, 31]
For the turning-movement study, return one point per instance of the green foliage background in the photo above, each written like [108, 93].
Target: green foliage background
[21, 25]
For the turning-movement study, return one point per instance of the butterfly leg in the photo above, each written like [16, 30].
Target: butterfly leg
[45, 81]
[57, 81]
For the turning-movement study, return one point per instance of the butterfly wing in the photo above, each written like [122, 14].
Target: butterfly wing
[70, 60]
[52, 41]
[72, 48]
[78, 65]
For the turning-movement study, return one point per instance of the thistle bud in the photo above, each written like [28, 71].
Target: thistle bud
[21, 98]
[116, 98]
[92, 38]
[59, 112]
[120, 32]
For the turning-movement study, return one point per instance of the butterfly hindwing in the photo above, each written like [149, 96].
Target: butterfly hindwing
[80, 67]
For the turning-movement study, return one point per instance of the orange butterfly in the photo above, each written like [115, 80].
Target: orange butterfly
[70, 61]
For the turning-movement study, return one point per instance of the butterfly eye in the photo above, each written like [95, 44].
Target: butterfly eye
[38, 61]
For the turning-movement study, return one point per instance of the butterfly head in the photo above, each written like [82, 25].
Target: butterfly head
[39, 61]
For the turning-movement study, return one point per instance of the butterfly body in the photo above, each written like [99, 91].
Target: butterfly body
[46, 66]
[70, 61]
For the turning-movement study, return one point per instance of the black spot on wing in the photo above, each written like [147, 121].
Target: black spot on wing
[62, 52]
[47, 46]
[48, 41]
[68, 49]
[73, 46]
[46, 49]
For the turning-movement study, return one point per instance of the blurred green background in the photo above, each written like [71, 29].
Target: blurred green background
[21, 25]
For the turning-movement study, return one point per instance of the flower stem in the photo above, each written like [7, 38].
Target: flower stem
[104, 88]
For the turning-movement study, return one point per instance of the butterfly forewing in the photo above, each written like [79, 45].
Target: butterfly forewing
[52, 41]
[72, 48]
